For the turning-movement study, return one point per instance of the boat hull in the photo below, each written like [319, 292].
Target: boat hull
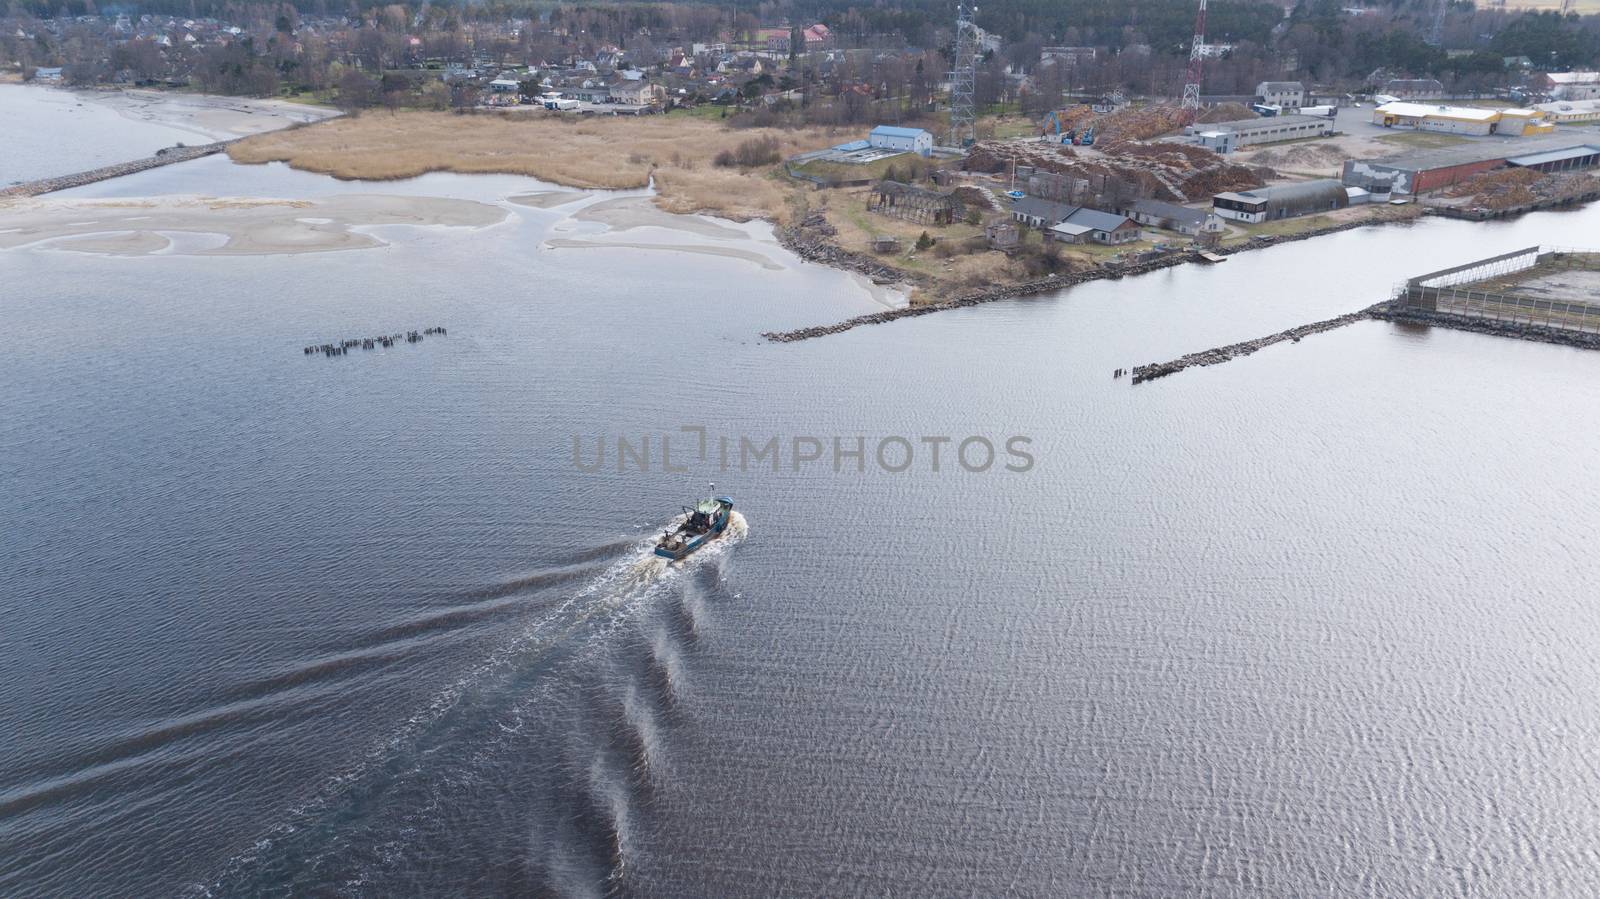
[718, 525]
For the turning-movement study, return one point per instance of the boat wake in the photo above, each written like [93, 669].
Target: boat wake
[483, 720]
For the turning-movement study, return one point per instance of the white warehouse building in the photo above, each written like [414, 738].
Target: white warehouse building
[909, 140]
[1433, 117]
[1225, 137]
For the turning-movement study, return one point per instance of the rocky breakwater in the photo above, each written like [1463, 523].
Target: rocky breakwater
[167, 156]
[1396, 312]
[1217, 355]
[811, 241]
[990, 295]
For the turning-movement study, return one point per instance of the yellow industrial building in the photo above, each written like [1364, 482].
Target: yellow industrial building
[1462, 119]
[1572, 111]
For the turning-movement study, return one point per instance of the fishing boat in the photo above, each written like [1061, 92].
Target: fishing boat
[704, 523]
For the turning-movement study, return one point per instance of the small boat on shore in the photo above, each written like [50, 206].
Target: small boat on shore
[705, 522]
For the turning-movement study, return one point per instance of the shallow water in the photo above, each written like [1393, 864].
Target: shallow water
[51, 132]
[1311, 622]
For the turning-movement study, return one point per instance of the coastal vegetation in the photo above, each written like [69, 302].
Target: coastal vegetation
[608, 153]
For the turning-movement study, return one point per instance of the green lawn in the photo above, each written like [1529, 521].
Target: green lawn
[703, 111]
[1011, 127]
[1280, 228]
[1423, 139]
[846, 172]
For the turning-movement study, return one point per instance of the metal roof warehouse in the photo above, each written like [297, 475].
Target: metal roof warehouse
[1558, 160]
[1433, 169]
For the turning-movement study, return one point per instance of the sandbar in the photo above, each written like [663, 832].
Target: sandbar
[248, 226]
[549, 199]
[625, 213]
[703, 249]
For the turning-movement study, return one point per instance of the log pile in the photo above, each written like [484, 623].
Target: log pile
[1173, 172]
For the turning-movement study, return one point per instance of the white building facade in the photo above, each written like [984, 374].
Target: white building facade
[908, 140]
[1287, 95]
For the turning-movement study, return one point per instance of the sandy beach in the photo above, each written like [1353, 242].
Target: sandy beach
[206, 115]
[210, 226]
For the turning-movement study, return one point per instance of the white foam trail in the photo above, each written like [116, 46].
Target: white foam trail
[612, 596]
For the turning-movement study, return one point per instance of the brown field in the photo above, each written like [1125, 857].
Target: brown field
[589, 152]
[1581, 7]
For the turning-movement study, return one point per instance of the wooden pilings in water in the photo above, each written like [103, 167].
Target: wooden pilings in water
[343, 347]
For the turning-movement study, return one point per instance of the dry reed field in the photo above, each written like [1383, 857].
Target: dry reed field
[589, 152]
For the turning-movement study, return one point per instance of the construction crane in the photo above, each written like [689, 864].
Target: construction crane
[1197, 55]
[964, 80]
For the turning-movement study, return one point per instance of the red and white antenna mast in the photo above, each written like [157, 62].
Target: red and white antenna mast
[1197, 51]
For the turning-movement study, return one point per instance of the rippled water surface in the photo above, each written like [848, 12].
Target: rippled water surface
[1316, 622]
[46, 132]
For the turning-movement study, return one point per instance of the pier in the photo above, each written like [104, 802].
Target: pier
[1539, 294]
[1535, 287]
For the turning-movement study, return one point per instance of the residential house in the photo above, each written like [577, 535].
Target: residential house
[1159, 214]
[1084, 225]
[1572, 85]
[634, 93]
[1413, 88]
[1288, 95]
[1039, 213]
[1072, 56]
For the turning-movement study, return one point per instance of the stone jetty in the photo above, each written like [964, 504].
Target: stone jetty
[810, 241]
[1398, 312]
[1013, 291]
[167, 156]
[1142, 373]
[1386, 311]
[343, 347]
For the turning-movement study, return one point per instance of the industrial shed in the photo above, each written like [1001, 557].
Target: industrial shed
[1571, 112]
[1431, 117]
[1226, 136]
[1281, 202]
[1417, 173]
[1569, 160]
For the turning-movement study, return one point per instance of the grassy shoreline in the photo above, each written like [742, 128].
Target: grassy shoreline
[591, 153]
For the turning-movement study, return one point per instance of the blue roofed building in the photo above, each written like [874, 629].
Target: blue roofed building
[906, 140]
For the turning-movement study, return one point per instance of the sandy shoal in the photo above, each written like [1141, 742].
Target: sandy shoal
[701, 249]
[247, 226]
[625, 213]
[549, 199]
